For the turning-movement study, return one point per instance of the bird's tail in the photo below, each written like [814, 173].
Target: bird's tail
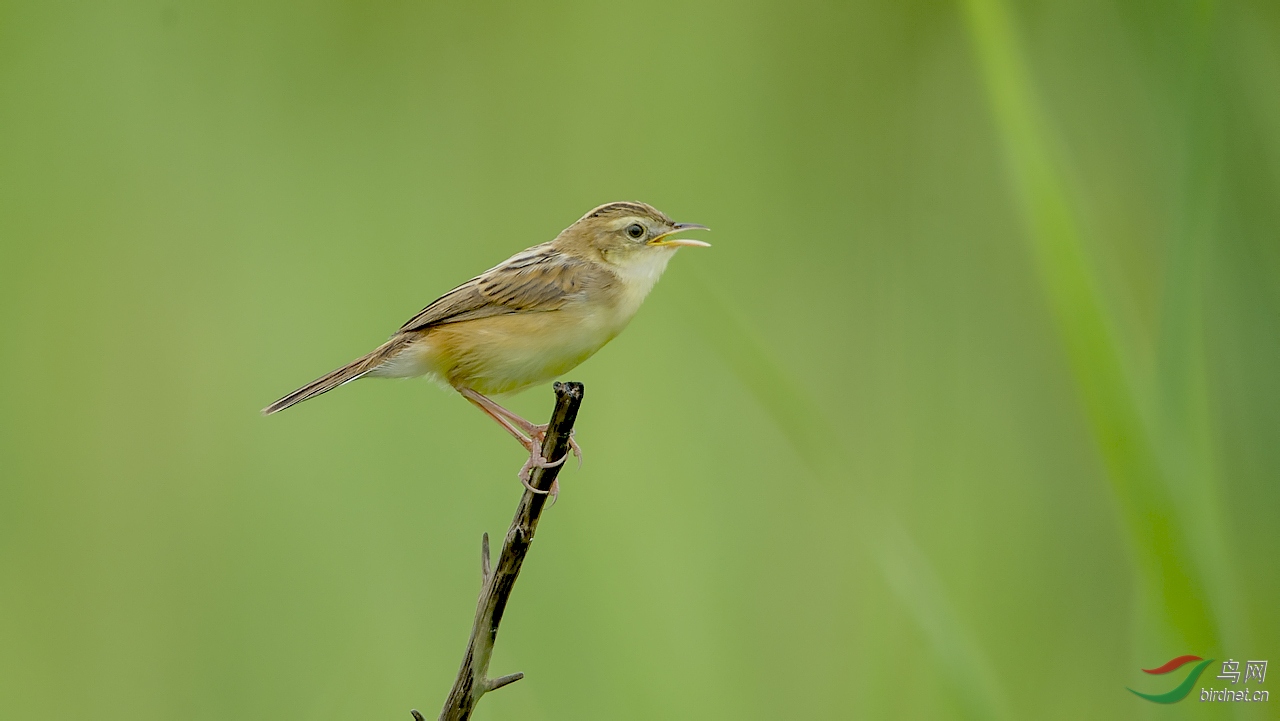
[345, 374]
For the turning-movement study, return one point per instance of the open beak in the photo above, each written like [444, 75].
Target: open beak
[667, 240]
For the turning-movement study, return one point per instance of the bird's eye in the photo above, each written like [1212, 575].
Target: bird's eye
[635, 230]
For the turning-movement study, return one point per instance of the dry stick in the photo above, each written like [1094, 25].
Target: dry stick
[472, 682]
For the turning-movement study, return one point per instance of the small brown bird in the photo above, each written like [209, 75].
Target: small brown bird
[531, 318]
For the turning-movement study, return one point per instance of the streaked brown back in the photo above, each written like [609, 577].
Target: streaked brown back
[541, 278]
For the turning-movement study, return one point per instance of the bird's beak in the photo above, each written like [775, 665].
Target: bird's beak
[668, 241]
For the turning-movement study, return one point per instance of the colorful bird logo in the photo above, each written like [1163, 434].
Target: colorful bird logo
[1182, 689]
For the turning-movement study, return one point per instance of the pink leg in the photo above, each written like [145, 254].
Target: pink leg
[532, 431]
[531, 442]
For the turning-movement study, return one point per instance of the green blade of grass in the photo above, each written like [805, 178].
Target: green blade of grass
[1173, 586]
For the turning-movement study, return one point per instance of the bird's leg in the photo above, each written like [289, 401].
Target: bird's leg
[535, 432]
[531, 442]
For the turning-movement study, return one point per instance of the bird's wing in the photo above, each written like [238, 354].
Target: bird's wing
[538, 279]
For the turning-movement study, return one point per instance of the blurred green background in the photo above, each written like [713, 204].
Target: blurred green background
[970, 413]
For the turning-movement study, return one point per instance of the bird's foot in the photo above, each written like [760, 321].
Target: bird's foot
[537, 461]
[538, 433]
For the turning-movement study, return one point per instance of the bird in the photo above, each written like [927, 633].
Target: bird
[529, 319]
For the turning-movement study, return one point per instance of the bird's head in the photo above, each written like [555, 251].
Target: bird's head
[624, 233]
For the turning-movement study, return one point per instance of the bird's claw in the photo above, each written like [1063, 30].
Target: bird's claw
[577, 450]
[538, 434]
[537, 461]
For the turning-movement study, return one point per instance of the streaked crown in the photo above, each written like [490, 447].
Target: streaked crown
[626, 208]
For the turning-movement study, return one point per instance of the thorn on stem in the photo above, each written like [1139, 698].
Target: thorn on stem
[484, 559]
[494, 684]
[417, 716]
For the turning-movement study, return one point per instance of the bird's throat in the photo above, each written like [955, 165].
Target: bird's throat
[638, 275]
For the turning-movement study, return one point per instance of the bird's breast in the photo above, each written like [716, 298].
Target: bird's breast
[507, 353]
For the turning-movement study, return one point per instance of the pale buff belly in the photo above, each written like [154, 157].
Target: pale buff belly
[506, 353]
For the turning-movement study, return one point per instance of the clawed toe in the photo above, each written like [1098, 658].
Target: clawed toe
[524, 479]
[537, 461]
[538, 433]
[577, 449]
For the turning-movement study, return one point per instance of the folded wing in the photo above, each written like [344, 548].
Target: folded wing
[537, 280]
